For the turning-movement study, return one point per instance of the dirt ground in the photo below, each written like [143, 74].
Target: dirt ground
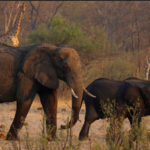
[34, 121]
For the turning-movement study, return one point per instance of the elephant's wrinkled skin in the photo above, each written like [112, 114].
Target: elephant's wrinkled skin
[36, 69]
[104, 89]
[144, 85]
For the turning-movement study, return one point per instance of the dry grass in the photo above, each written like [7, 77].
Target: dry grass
[35, 125]
[34, 122]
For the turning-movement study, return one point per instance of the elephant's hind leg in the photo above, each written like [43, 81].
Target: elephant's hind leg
[22, 110]
[49, 102]
[25, 94]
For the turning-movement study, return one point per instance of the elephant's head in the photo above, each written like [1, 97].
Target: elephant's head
[47, 64]
[134, 94]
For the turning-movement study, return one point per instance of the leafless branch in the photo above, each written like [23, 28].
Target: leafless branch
[57, 9]
[8, 12]
[33, 22]
[147, 68]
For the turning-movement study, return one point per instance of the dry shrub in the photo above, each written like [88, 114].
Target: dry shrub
[116, 138]
[117, 67]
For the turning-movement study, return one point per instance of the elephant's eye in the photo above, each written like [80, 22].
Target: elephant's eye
[65, 66]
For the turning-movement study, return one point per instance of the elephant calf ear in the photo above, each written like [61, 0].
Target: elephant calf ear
[41, 69]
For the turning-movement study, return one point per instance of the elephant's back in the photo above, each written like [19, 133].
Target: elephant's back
[11, 58]
[104, 88]
[10, 62]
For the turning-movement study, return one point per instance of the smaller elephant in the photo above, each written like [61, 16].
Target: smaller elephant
[123, 93]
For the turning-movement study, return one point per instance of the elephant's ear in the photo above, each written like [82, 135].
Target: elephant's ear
[38, 65]
[131, 94]
[146, 95]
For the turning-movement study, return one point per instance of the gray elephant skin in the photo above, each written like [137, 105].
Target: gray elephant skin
[144, 86]
[37, 69]
[123, 92]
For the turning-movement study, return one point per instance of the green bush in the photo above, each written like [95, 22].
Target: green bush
[60, 31]
[94, 40]
[38, 35]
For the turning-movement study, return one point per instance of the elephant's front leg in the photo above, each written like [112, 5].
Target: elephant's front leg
[132, 122]
[135, 125]
[49, 102]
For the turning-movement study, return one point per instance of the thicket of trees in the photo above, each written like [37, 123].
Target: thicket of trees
[126, 24]
[111, 37]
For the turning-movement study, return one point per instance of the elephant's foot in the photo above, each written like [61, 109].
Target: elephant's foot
[52, 137]
[9, 136]
[81, 138]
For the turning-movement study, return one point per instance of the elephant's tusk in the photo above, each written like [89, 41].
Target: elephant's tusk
[88, 93]
[73, 93]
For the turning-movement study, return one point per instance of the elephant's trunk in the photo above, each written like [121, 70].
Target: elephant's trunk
[77, 91]
[76, 110]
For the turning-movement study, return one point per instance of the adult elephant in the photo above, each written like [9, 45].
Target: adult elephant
[36, 69]
[107, 90]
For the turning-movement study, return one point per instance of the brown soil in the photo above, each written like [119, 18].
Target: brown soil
[33, 124]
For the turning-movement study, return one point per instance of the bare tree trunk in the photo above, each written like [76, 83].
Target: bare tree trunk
[138, 38]
[137, 73]
[33, 21]
[147, 68]
[133, 41]
[8, 14]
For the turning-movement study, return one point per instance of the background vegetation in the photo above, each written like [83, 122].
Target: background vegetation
[112, 38]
